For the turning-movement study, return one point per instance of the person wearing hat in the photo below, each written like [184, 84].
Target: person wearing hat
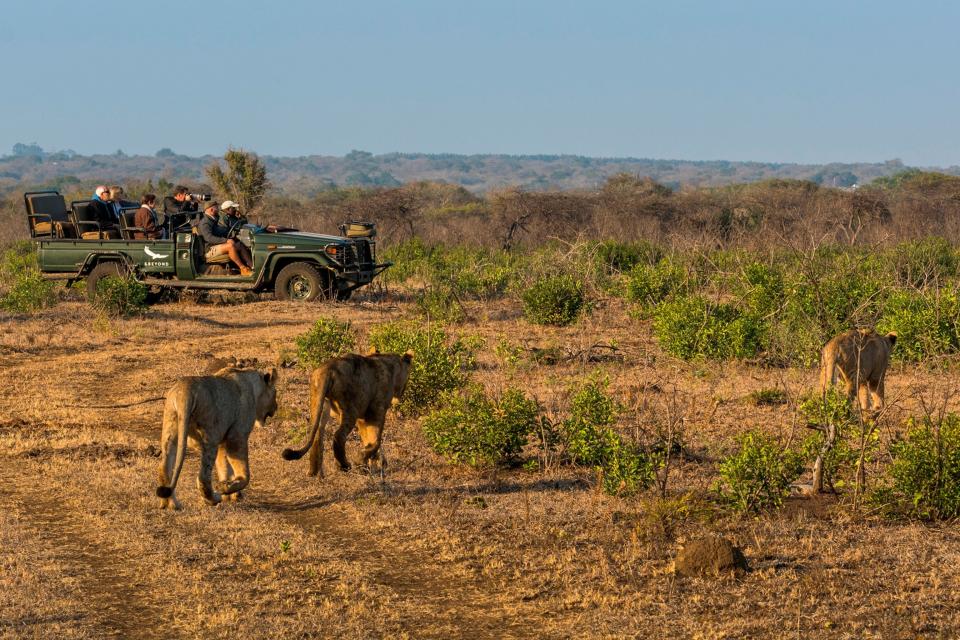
[230, 215]
[215, 235]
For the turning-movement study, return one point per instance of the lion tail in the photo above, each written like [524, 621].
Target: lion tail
[296, 454]
[185, 412]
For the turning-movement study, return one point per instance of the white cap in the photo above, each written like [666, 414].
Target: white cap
[229, 204]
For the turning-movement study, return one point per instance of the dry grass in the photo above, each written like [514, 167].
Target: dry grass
[441, 551]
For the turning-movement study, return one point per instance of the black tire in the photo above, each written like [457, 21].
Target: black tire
[300, 281]
[99, 272]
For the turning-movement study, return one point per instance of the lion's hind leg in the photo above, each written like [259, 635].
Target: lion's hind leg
[208, 457]
[371, 436]
[347, 423]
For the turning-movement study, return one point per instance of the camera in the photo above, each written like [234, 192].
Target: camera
[202, 197]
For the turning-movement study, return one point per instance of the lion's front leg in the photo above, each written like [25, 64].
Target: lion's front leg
[238, 460]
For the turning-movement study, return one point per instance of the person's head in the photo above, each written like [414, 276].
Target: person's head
[230, 208]
[116, 192]
[180, 193]
[210, 208]
[100, 190]
[148, 199]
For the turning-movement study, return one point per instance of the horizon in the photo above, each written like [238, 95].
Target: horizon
[822, 83]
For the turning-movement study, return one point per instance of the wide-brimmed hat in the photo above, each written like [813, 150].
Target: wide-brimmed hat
[212, 203]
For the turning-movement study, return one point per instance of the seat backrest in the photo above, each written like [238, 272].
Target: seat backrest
[47, 203]
[127, 222]
[83, 212]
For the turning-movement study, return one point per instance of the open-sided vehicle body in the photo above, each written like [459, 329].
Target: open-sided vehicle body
[293, 264]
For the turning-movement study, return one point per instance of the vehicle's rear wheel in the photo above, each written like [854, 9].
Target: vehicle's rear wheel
[299, 281]
[101, 271]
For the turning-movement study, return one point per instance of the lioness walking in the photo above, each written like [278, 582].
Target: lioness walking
[217, 412]
[861, 358]
[358, 388]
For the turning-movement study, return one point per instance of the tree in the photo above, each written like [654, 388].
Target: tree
[244, 180]
[32, 149]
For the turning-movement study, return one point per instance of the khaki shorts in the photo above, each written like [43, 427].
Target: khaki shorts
[217, 250]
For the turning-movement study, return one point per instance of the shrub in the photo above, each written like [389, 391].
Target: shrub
[832, 408]
[621, 257]
[926, 323]
[407, 257]
[759, 475]
[590, 440]
[473, 429]
[689, 326]
[926, 469]
[439, 363]
[120, 296]
[440, 303]
[648, 285]
[327, 339]
[925, 261]
[26, 289]
[554, 300]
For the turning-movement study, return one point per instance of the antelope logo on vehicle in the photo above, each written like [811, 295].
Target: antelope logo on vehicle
[157, 259]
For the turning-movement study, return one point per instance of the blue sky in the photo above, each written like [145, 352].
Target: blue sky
[768, 81]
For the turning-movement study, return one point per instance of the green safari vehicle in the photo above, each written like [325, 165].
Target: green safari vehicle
[294, 265]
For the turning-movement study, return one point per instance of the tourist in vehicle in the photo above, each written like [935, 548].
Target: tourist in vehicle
[230, 214]
[102, 208]
[180, 202]
[147, 219]
[218, 243]
[117, 203]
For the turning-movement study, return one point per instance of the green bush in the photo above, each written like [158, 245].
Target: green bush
[923, 262]
[759, 475]
[554, 300]
[621, 257]
[120, 296]
[407, 257]
[927, 323]
[440, 363]
[689, 326]
[926, 469]
[590, 440]
[648, 285]
[25, 288]
[834, 408]
[327, 339]
[473, 429]
[441, 304]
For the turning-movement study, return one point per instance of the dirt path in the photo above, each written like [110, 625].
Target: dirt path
[458, 605]
[114, 602]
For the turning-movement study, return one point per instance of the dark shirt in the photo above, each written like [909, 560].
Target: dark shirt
[212, 231]
[103, 213]
[229, 221]
[172, 205]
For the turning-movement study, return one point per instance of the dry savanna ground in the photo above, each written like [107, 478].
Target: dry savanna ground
[439, 550]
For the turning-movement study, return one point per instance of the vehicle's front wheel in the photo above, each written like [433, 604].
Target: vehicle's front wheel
[99, 272]
[299, 281]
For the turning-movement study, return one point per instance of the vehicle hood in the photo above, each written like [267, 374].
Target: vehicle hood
[300, 238]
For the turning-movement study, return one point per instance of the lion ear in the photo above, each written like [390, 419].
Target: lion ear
[271, 376]
[408, 356]
[372, 351]
[892, 337]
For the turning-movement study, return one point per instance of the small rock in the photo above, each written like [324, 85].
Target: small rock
[709, 556]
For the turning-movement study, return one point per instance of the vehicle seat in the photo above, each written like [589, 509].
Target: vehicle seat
[87, 224]
[47, 215]
[128, 225]
[200, 249]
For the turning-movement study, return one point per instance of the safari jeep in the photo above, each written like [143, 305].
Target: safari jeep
[294, 265]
